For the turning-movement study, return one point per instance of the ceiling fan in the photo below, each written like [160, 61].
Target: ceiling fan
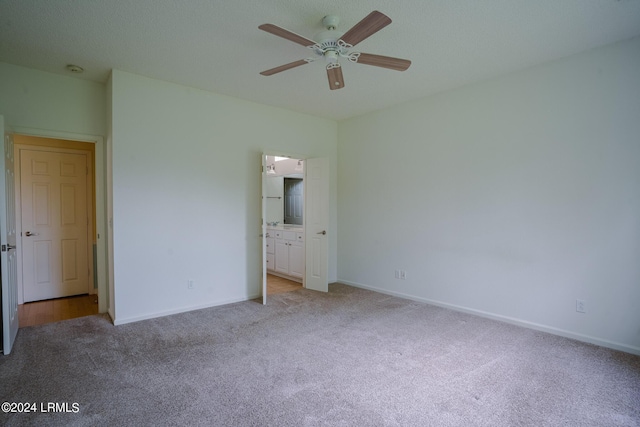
[333, 45]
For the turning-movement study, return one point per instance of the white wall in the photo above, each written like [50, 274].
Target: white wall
[187, 192]
[35, 99]
[510, 198]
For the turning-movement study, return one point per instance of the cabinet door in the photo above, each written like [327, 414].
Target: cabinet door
[271, 259]
[271, 246]
[296, 259]
[282, 256]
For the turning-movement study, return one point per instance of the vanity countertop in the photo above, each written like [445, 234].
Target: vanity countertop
[287, 227]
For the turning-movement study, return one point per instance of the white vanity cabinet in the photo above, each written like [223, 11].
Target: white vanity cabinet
[296, 256]
[282, 253]
[288, 253]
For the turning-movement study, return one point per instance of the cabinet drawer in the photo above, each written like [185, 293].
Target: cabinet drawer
[300, 237]
[277, 234]
[289, 235]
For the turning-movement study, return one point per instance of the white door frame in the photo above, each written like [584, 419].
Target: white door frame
[263, 214]
[100, 190]
[263, 232]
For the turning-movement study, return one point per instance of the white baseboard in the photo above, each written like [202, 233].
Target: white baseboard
[506, 319]
[122, 321]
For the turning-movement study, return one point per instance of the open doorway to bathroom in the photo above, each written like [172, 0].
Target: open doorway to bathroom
[284, 217]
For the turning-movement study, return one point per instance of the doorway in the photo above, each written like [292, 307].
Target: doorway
[298, 252]
[56, 222]
[284, 213]
[55, 310]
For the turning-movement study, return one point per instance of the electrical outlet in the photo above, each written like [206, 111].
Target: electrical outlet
[190, 284]
[581, 306]
[403, 275]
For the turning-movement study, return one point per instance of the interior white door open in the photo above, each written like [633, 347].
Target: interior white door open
[263, 233]
[8, 261]
[316, 222]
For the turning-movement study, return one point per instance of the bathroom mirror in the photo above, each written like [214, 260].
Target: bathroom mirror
[285, 191]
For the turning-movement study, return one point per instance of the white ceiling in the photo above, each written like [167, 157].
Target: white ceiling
[216, 45]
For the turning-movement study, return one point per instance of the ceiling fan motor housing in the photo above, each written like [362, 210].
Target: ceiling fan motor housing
[328, 43]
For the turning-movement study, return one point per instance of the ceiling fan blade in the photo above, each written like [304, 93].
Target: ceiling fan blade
[372, 23]
[336, 81]
[286, 34]
[284, 67]
[384, 61]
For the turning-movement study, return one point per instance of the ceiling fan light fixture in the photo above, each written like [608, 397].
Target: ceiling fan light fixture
[331, 57]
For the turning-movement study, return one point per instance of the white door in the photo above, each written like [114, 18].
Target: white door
[316, 207]
[8, 265]
[264, 228]
[55, 224]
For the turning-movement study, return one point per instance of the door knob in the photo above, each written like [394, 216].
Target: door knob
[323, 232]
[28, 233]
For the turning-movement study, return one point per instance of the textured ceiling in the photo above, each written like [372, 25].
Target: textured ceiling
[216, 45]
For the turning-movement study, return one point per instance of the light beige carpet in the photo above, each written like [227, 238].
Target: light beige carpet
[350, 357]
